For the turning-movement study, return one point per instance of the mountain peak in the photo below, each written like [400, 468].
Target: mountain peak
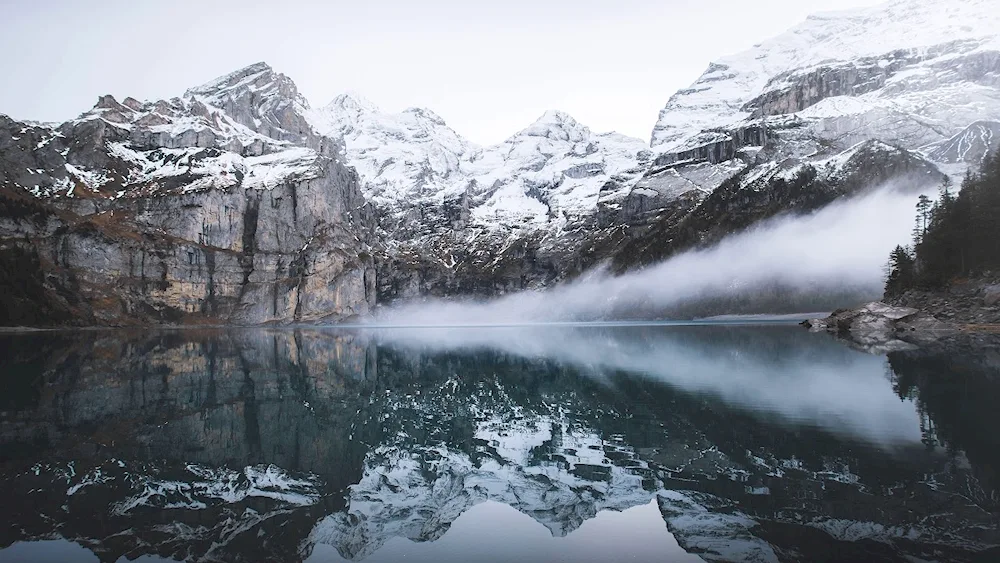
[556, 125]
[262, 100]
[235, 79]
[555, 116]
[426, 114]
[352, 102]
[256, 84]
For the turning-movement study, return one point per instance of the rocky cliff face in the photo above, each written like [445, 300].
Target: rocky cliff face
[222, 206]
[457, 218]
[232, 203]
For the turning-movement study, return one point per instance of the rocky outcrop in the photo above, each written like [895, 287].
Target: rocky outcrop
[222, 207]
[920, 316]
[715, 146]
[877, 326]
[972, 301]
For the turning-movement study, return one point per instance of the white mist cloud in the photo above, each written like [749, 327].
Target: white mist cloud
[843, 246]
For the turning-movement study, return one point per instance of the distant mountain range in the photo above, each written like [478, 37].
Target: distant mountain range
[237, 202]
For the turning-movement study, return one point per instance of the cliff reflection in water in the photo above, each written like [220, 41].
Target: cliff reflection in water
[757, 443]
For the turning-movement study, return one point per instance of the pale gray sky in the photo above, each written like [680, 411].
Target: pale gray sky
[488, 68]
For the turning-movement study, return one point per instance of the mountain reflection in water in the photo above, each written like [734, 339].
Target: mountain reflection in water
[750, 443]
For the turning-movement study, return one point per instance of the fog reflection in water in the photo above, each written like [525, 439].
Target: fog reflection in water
[544, 443]
[775, 370]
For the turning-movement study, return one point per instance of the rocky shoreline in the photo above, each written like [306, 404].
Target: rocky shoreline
[973, 301]
[917, 317]
[880, 327]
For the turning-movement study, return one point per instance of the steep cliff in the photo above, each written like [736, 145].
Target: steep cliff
[222, 206]
[457, 218]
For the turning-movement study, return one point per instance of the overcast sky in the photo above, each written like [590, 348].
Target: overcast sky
[488, 68]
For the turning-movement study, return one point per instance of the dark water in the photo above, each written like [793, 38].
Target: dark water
[576, 444]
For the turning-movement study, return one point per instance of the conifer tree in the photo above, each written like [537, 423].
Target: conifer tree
[956, 236]
[901, 271]
[923, 218]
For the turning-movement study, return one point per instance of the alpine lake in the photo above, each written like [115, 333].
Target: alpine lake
[715, 441]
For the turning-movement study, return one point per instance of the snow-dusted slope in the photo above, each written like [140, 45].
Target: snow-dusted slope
[248, 128]
[930, 64]
[401, 156]
[221, 191]
[969, 146]
[553, 168]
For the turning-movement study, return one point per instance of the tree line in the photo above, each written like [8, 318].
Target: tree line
[956, 236]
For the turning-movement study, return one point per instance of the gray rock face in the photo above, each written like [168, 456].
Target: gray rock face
[970, 146]
[880, 327]
[263, 101]
[221, 207]
[872, 324]
[991, 295]
[974, 301]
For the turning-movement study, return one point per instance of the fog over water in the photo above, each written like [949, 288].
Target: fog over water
[842, 248]
[800, 377]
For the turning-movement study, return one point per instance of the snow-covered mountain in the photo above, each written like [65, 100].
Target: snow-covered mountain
[912, 73]
[923, 61]
[553, 168]
[898, 92]
[917, 78]
[222, 204]
[408, 156]
[244, 129]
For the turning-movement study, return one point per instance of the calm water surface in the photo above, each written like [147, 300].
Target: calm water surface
[568, 443]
